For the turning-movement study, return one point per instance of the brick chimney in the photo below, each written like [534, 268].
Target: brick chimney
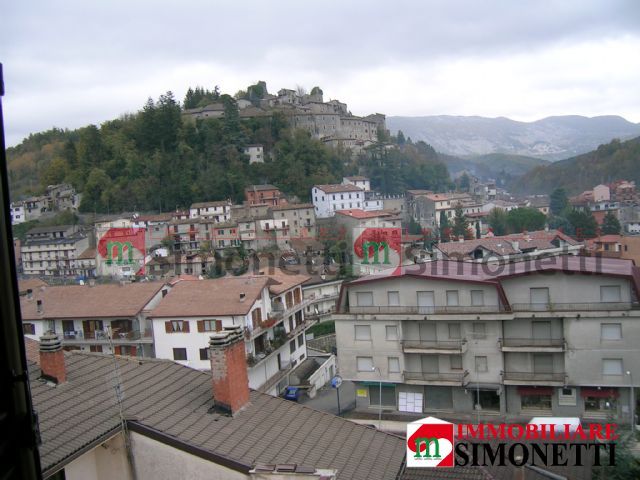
[229, 370]
[52, 358]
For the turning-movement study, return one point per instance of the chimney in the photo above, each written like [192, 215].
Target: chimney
[52, 358]
[29, 293]
[39, 306]
[242, 296]
[229, 370]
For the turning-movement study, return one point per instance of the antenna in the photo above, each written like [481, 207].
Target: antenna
[119, 398]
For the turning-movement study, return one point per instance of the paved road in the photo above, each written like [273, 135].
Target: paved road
[326, 399]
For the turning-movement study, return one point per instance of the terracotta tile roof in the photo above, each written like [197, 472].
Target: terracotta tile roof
[281, 280]
[362, 214]
[337, 188]
[218, 203]
[31, 284]
[159, 217]
[82, 412]
[83, 301]
[292, 206]
[88, 254]
[211, 297]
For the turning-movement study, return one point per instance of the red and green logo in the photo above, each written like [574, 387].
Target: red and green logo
[379, 246]
[430, 443]
[123, 246]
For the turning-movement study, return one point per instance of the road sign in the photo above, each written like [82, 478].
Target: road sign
[336, 381]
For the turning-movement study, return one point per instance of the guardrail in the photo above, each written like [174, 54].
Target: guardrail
[434, 344]
[434, 376]
[563, 307]
[532, 342]
[422, 310]
[534, 376]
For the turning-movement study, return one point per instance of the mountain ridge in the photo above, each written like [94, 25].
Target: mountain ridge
[551, 138]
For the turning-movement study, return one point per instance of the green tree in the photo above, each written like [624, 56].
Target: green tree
[414, 227]
[497, 220]
[56, 172]
[610, 224]
[525, 218]
[583, 223]
[400, 140]
[558, 201]
[460, 223]
[93, 198]
[465, 182]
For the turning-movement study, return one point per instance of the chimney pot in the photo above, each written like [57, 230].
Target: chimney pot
[39, 306]
[52, 358]
[29, 293]
[242, 296]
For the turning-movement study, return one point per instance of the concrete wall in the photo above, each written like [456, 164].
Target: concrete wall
[157, 461]
[107, 461]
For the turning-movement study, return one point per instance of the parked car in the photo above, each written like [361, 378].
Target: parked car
[292, 393]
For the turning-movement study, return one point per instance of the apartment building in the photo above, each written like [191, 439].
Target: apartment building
[219, 211]
[263, 194]
[94, 318]
[17, 211]
[53, 251]
[327, 199]
[268, 308]
[556, 336]
[300, 217]
[359, 181]
[427, 208]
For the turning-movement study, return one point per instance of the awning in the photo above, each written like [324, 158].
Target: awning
[377, 384]
[535, 391]
[599, 392]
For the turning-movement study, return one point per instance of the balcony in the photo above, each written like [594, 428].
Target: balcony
[298, 329]
[557, 379]
[451, 347]
[551, 345]
[435, 378]
[280, 312]
[78, 337]
[426, 310]
[572, 307]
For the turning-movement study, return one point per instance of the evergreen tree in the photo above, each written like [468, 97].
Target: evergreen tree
[610, 224]
[558, 201]
[525, 219]
[497, 220]
[445, 229]
[460, 223]
[583, 223]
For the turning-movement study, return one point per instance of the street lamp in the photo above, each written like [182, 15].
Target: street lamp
[373, 369]
[633, 404]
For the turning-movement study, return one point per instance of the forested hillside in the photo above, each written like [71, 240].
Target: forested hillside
[613, 161]
[154, 160]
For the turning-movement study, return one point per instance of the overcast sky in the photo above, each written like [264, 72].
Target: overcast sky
[71, 63]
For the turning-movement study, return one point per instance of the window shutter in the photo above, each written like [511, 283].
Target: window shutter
[218, 325]
[200, 326]
[167, 327]
[133, 351]
[185, 326]
[118, 350]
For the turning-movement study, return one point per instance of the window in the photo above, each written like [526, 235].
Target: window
[204, 354]
[209, 325]
[454, 331]
[391, 332]
[364, 364]
[539, 297]
[174, 326]
[611, 331]
[536, 402]
[481, 364]
[610, 293]
[479, 330]
[364, 299]
[29, 328]
[388, 395]
[179, 353]
[612, 366]
[300, 340]
[393, 364]
[95, 348]
[393, 299]
[292, 346]
[455, 362]
[256, 317]
[452, 298]
[477, 298]
[567, 396]
[363, 332]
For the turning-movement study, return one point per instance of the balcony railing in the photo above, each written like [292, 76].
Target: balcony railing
[100, 336]
[435, 377]
[424, 310]
[563, 307]
[532, 342]
[456, 346]
[558, 377]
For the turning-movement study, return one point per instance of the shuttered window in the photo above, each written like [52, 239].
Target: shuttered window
[209, 325]
[610, 293]
[176, 326]
[612, 366]
[611, 331]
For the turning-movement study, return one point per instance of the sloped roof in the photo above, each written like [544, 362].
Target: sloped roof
[218, 203]
[82, 412]
[337, 188]
[83, 301]
[211, 297]
[363, 214]
[281, 280]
